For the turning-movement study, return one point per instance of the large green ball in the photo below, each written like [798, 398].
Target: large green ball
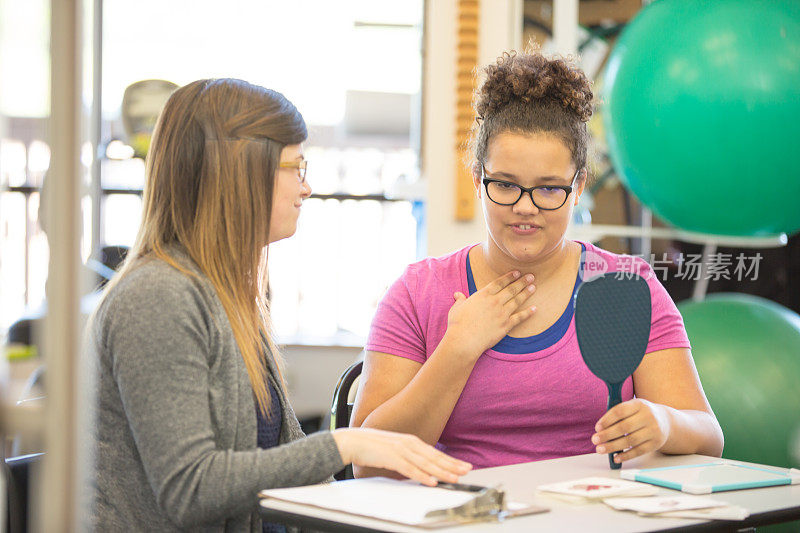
[747, 352]
[703, 113]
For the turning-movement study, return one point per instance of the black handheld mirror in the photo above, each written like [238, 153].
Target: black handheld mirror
[612, 322]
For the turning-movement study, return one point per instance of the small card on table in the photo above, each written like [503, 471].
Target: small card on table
[598, 488]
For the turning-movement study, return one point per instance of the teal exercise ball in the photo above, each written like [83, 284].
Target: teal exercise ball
[702, 113]
[747, 352]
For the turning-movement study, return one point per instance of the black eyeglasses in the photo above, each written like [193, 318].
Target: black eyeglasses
[545, 197]
[301, 167]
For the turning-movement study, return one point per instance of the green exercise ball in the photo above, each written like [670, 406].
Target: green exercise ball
[747, 352]
[702, 113]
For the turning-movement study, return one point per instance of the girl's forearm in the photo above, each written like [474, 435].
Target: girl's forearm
[693, 431]
[424, 406]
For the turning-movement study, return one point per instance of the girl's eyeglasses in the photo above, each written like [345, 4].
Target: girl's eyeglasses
[546, 197]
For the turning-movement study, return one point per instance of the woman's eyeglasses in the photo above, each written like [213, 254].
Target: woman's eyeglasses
[300, 166]
[545, 197]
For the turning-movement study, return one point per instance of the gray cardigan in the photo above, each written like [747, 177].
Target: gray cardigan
[175, 420]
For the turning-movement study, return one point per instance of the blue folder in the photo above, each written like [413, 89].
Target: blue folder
[714, 477]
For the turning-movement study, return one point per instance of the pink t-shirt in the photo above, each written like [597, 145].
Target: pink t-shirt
[515, 407]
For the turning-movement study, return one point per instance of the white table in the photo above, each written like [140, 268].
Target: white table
[766, 505]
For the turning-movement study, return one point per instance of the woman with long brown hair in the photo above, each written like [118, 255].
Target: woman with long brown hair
[192, 418]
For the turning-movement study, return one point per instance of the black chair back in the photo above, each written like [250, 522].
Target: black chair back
[342, 409]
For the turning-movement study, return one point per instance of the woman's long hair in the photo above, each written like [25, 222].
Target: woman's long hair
[209, 183]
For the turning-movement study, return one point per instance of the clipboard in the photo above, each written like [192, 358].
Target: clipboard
[406, 502]
[718, 476]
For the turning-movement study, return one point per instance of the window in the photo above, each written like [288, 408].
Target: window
[24, 156]
[328, 279]
[359, 95]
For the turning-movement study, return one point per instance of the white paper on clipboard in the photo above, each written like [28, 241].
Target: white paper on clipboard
[402, 502]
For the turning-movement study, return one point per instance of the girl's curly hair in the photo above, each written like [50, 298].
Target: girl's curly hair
[529, 93]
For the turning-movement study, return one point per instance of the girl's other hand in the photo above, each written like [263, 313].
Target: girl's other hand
[634, 427]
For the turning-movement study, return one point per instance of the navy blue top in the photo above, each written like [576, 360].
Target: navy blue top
[269, 427]
[545, 339]
[269, 432]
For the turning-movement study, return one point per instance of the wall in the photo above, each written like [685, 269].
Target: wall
[500, 30]
[312, 373]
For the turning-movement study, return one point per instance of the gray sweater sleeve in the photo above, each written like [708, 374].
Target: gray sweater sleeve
[157, 338]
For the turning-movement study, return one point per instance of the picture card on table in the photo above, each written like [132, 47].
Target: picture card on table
[598, 488]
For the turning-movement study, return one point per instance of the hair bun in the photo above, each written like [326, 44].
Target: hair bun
[532, 78]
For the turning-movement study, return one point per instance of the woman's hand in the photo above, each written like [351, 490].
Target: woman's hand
[404, 454]
[638, 426]
[479, 322]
